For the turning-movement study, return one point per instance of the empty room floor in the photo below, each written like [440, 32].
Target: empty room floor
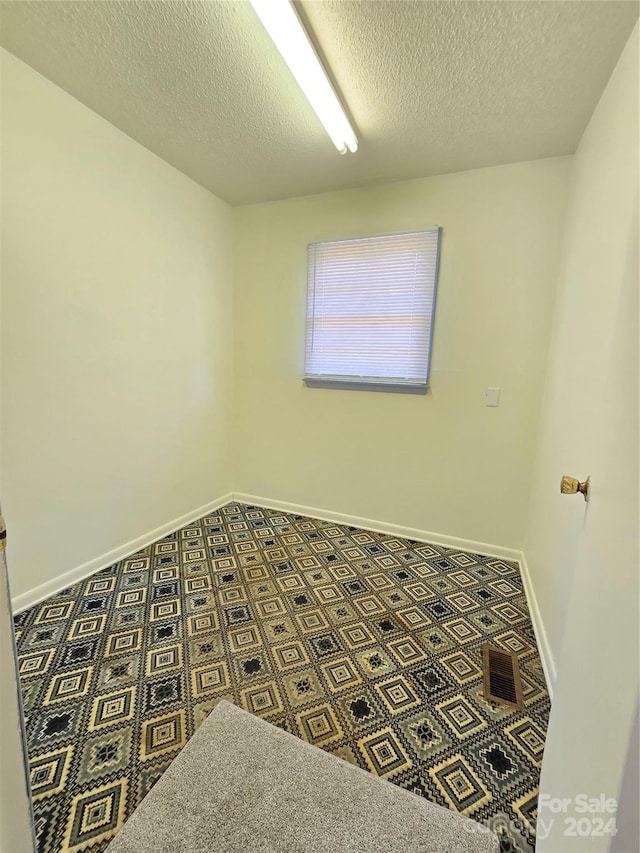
[362, 643]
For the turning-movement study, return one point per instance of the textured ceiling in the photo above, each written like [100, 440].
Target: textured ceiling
[432, 87]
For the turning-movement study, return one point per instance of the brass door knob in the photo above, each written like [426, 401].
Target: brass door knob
[571, 486]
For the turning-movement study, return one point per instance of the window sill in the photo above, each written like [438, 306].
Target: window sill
[355, 385]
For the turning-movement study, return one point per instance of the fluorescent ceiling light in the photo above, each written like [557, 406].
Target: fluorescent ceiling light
[283, 25]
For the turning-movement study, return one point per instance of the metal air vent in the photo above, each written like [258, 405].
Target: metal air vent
[501, 676]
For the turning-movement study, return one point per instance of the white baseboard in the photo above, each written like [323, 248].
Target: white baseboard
[51, 587]
[384, 527]
[514, 554]
[548, 663]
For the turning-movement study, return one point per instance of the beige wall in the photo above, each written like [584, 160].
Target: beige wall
[595, 260]
[583, 558]
[116, 337]
[444, 462]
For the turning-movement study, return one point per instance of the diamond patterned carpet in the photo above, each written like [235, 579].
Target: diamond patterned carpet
[364, 644]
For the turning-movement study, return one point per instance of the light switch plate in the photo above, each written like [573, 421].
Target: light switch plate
[492, 397]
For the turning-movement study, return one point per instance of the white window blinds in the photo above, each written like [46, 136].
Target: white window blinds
[370, 306]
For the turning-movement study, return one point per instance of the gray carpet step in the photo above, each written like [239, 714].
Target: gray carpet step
[242, 784]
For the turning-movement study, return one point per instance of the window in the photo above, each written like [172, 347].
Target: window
[370, 305]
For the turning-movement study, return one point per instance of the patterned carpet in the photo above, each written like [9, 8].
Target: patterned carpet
[364, 644]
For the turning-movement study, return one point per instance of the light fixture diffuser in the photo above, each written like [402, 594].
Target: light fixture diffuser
[287, 33]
